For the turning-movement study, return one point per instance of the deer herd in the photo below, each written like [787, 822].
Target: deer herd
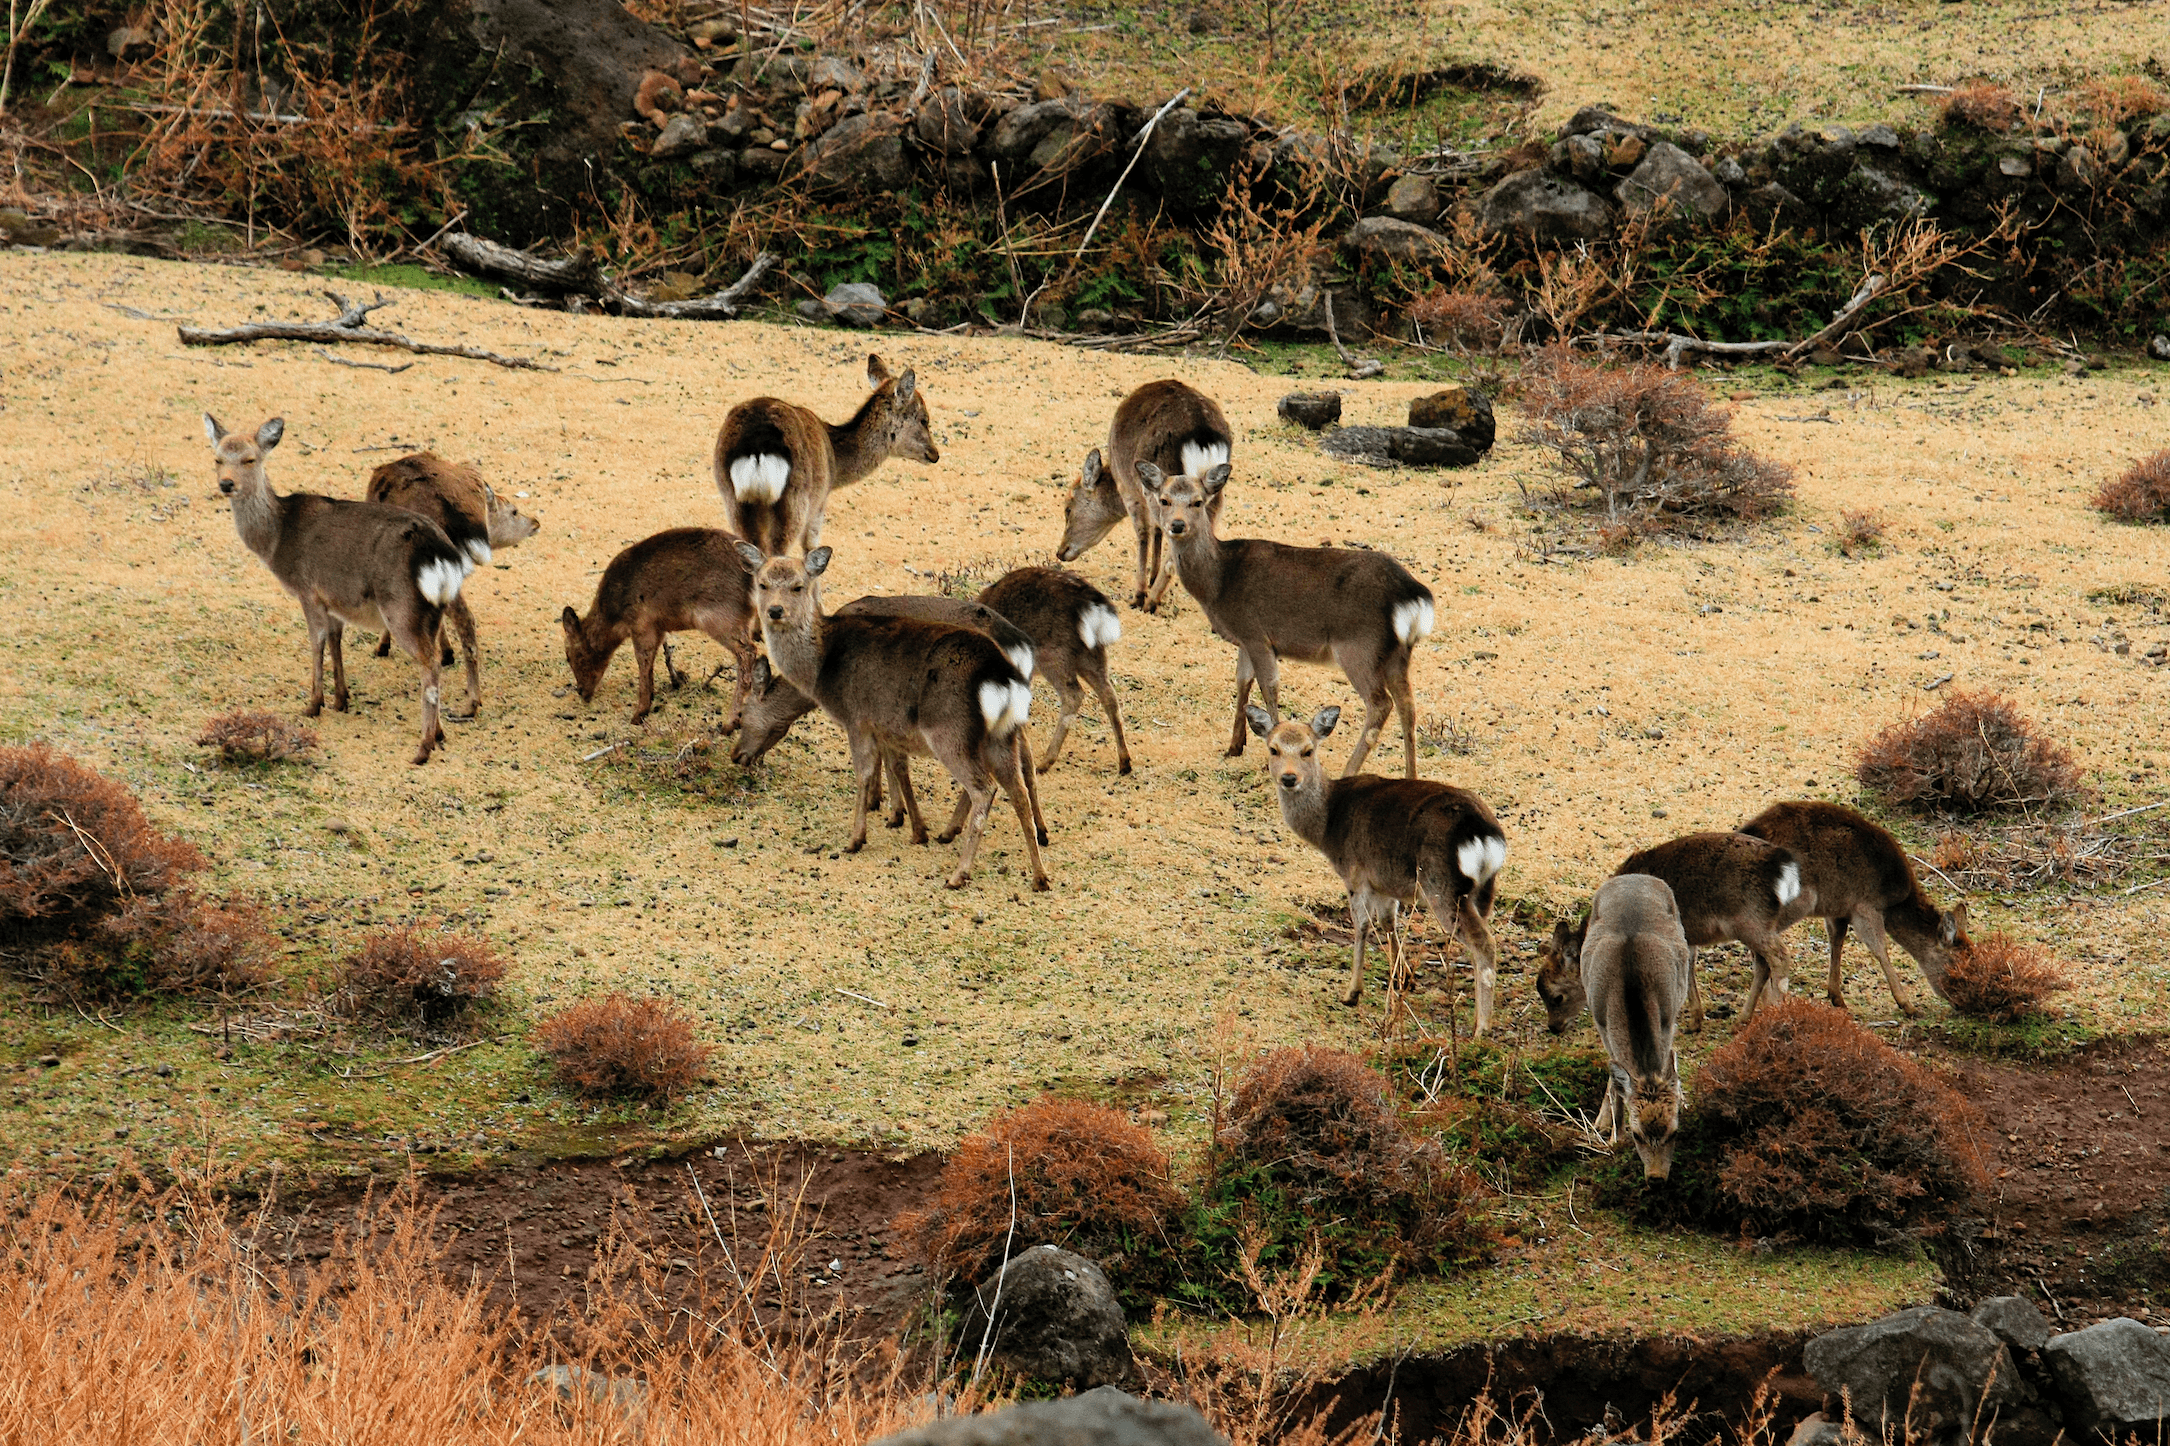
[951, 678]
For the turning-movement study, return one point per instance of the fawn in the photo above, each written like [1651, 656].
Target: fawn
[1178, 429]
[1071, 623]
[1635, 970]
[677, 581]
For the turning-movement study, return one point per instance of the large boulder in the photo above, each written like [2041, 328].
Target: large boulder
[1544, 206]
[1020, 132]
[1465, 411]
[860, 154]
[1106, 1417]
[1396, 240]
[1055, 1319]
[2112, 1378]
[949, 123]
[1669, 175]
[1402, 446]
[855, 303]
[2015, 1320]
[1189, 157]
[1925, 1374]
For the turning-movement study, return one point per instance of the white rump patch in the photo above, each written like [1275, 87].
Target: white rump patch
[439, 580]
[1789, 884]
[1413, 620]
[1021, 659]
[760, 478]
[1004, 706]
[1481, 858]
[1200, 458]
[479, 550]
[1099, 626]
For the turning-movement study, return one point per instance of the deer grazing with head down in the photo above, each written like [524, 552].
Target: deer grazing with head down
[776, 462]
[1176, 428]
[900, 683]
[1359, 609]
[1635, 972]
[1391, 839]
[347, 563]
[1071, 623]
[683, 580]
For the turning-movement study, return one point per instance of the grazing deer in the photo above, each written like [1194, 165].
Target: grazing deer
[1176, 428]
[677, 581]
[1636, 969]
[1857, 873]
[777, 463]
[345, 562]
[1727, 886]
[1071, 623]
[1360, 609]
[1389, 839]
[899, 683]
[455, 497]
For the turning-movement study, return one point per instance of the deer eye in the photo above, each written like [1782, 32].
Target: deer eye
[1305, 754]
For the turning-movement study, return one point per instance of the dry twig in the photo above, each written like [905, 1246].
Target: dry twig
[348, 327]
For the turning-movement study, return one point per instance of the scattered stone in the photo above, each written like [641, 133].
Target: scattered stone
[1189, 157]
[1669, 174]
[1020, 132]
[2159, 348]
[811, 308]
[1585, 158]
[2016, 168]
[1402, 446]
[1545, 206]
[1311, 409]
[2113, 1378]
[1817, 1429]
[1106, 1417]
[627, 1393]
[860, 154]
[1398, 240]
[1771, 201]
[829, 73]
[2015, 1320]
[1413, 198]
[855, 303]
[1056, 1320]
[683, 134]
[1461, 409]
[947, 124]
[760, 162]
[130, 43]
[1926, 1373]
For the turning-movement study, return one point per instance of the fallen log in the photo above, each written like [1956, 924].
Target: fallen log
[347, 326]
[723, 306]
[488, 258]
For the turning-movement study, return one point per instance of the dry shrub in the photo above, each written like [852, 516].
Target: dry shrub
[418, 976]
[1971, 753]
[172, 943]
[1859, 529]
[1984, 105]
[2113, 100]
[76, 844]
[1461, 319]
[251, 735]
[618, 1045]
[2141, 493]
[1083, 1177]
[1650, 442]
[2002, 978]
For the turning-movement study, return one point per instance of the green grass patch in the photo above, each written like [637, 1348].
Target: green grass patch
[414, 277]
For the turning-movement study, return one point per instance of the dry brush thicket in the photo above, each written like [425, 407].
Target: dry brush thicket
[1974, 752]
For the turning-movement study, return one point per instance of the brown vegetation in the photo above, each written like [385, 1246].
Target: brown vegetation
[2141, 493]
[1859, 529]
[76, 844]
[176, 943]
[1971, 753]
[418, 976]
[252, 735]
[1463, 320]
[2002, 978]
[617, 1045]
[1984, 105]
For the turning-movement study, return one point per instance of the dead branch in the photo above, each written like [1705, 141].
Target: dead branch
[488, 258]
[1359, 366]
[723, 306]
[340, 361]
[1677, 345]
[1137, 153]
[347, 327]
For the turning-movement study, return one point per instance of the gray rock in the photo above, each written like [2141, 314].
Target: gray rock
[1055, 1319]
[1413, 198]
[1401, 240]
[683, 134]
[1879, 138]
[1545, 206]
[860, 154]
[760, 163]
[811, 308]
[1189, 157]
[947, 124]
[1817, 1429]
[1669, 174]
[1069, 144]
[1872, 194]
[829, 73]
[1402, 446]
[717, 169]
[2015, 1321]
[2111, 1377]
[1460, 410]
[855, 303]
[2016, 168]
[1020, 132]
[1106, 1417]
[129, 43]
[1772, 201]
[1729, 173]
[1584, 158]
[1311, 409]
[2159, 348]
[627, 1393]
[1594, 118]
[1923, 1373]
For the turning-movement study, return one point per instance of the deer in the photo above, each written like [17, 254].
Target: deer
[1390, 839]
[1727, 886]
[904, 684]
[682, 580]
[776, 462]
[1350, 606]
[347, 563]
[1857, 873]
[473, 516]
[1176, 428]
[1635, 970]
[1071, 623]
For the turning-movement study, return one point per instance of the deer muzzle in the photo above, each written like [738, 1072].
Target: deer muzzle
[776, 614]
[226, 486]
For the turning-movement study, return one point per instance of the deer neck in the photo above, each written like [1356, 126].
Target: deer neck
[856, 446]
[795, 651]
[1304, 810]
[1200, 560]
[257, 512]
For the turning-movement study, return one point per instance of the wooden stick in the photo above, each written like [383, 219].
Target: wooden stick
[723, 306]
[1137, 153]
[341, 361]
[1676, 345]
[348, 327]
[473, 253]
[1359, 367]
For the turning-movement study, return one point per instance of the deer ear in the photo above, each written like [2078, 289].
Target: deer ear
[1563, 937]
[1089, 476]
[570, 618]
[1215, 479]
[817, 561]
[759, 679]
[268, 435]
[752, 556]
[876, 373]
[1151, 478]
[214, 432]
[906, 385]
[1261, 721]
[1955, 923]
[1323, 721]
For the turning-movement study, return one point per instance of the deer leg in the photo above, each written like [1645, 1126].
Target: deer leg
[1834, 931]
[421, 641]
[384, 644]
[893, 764]
[1607, 1123]
[900, 773]
[644, 653]
[1146, 535]
[1099, 680]
[671, 671]
[1073, 698]
[1360, 916]
[866, 762]
[1243, 698]
[1405, 704]
[742, 656]
[463, 620]
[1694, 1022]
[1871, 929]
[1014, 772]
[335, 635]
[1031, 776]
[318, 636]
[977, 787]
[1483, 955]
[1377, 709]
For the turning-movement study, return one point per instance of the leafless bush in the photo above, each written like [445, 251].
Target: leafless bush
[418, 976]
[1858, 530]
[1463, 320]
[2141, 493]
[1983, 105]
[1999, 977]
[255, 736]
[618, 1045]
[1973, 752]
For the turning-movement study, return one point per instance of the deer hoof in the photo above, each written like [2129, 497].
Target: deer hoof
[1040, 884]
[897, 822]
[421, 757]
[855, 845]
[474, 706]
[313, 709]
[1043, 837]
[945, 836]
[956, 881]
[1351, 997]
[1123, 767]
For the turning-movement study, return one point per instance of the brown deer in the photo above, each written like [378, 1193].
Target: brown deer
[1390, 839]
[1636, 969]
[455, 497]
[777, 463]
[1071, 623]
[1727, 886]
[677, 581]
[1360, 609]
[345, 562]
[1856, 873]
[1176, 428]
[901, 683]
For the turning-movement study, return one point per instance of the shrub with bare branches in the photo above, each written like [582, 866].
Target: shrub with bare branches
[252, 735]
[416, 976]
[1974, 752]
[76, 844]
[1463, 320]
[618, 1045]
[1984, 105]
[2002, 978]
[1858, 530]
[2141, 493]
[176, 943]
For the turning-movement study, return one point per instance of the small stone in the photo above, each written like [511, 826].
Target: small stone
[128, 43]
[855, 303]
[1399, 240]
[1413, 198]
[2016, 167]
[1311, 409]
[832, 74]
[2014, 1320]
[683, 134]
[810, 308]
[2159, 348]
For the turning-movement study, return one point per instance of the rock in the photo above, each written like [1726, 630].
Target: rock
[2111, 1378]
[760, 163]
[1879, 137]
[2016, 168]
[1729, 173]
[829, 73]
[627, 1393]
[1311, 409]
[855, 303]
[1020, 132]
[2159, 348]
[128, 43]
[1593, 118]
[1585, 158]
[1069, 144]
[717, 169]
[1056, 1320]
[861, 154]
[811, 308]
[1923, 1373]
[948, 123]
[1624, 152]
[1402, 446]
[1413, 198]
[2015, 1321]
[1189, 157]
[2078, 167]
[1459, 409]
[1106, 1417]
[1771, 201]
[1545, 206]
[1669, 174]
[1871, 194]
[1817, 1429]
[1401, 240]
[683, 134]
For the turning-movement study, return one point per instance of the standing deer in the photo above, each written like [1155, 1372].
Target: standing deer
[1636, 969]
[1727, 886]
[1071, 623]
[1390, 839]
[1360, 609]
[358, 563]
[1856, 873]
[1176, 428]
[901, 683]
[677, 581]
[474, 517]
[777, 463]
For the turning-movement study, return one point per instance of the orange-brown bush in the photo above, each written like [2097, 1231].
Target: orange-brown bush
[251, 735]
[1983, 105]
[75, 844]
[1461, 318]
[1859, 528]
[1084, 1177]
[2113, 100]
[418, 976]
[172, 943]
[2002, 978]
[2141, 493]
[618, 1045]
[1971, 753]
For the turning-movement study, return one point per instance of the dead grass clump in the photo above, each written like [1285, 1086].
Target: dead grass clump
[1463, 320]
[251, 735]
[2002, 978]
[2113, 100]
[1972, 753]
[2140, 494]
[618, 1045]
[77, 845]
[1983, 105]
[418, 976]
[176, 943]
[1859, 529]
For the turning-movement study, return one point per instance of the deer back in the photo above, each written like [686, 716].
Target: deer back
[774, 468]
[1066, 616]
[1723, 882]
[1634, 965]
[671, 580]
[904, 679]
[1307, 601]
[1847, 861]
[452, 495]
[1402, 834]
[1015, 642]
[1172, 425]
